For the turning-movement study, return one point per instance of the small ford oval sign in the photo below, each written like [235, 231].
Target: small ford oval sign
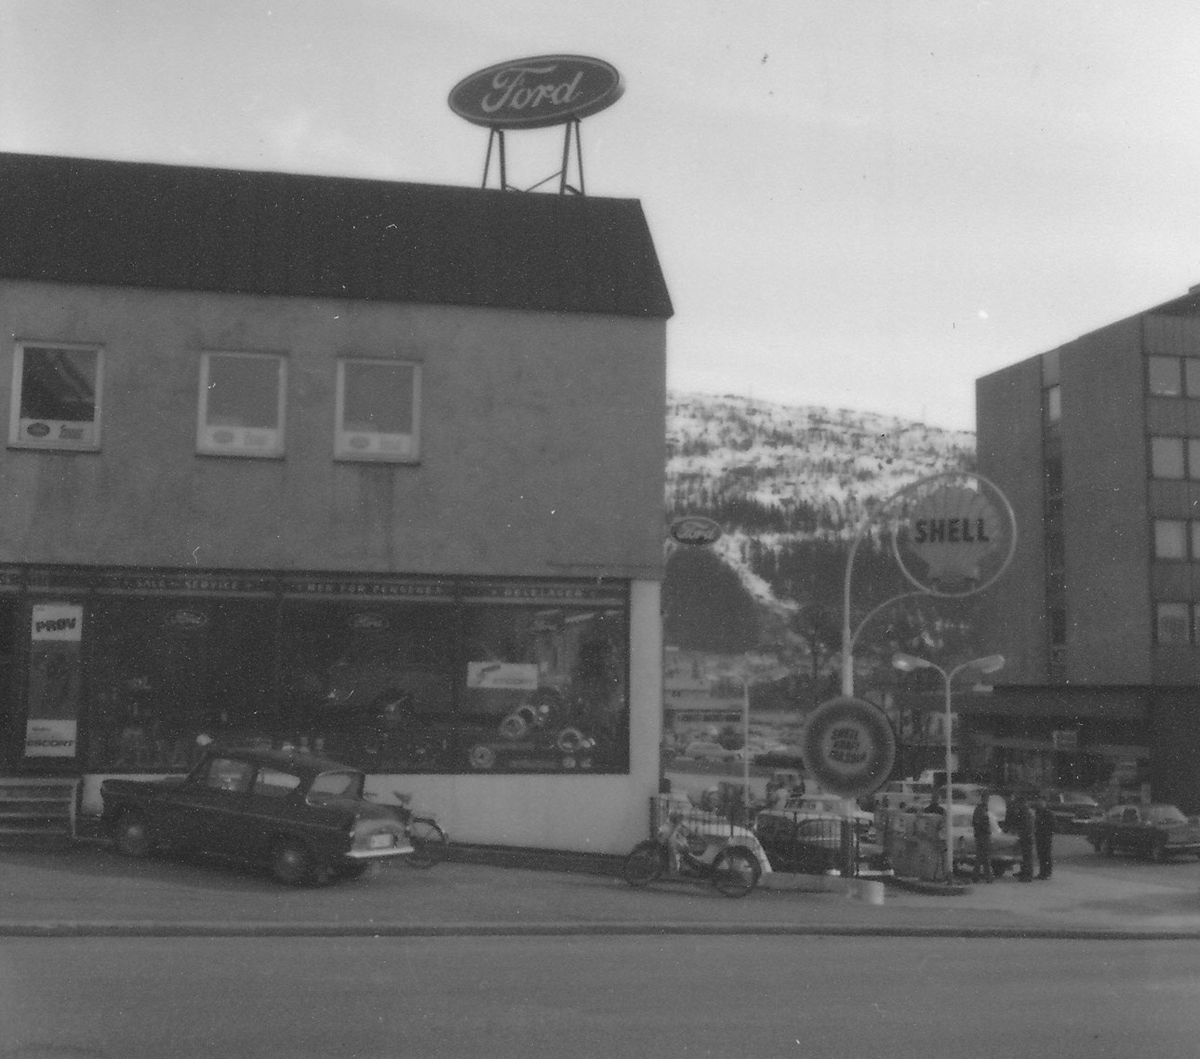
[534, 93]
[696, 529]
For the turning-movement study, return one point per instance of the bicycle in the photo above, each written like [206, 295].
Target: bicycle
[429, 841]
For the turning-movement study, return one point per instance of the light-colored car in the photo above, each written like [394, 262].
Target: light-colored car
[806, 805]
[916, 794]
[707, 750]
[1005, 850]
[802, 807]
[903, 794]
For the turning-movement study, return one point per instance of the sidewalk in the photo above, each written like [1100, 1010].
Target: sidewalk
[90, 890]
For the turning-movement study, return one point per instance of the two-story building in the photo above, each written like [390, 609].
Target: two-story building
[369, 467]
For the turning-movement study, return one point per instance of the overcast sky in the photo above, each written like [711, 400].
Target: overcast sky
[859, 203]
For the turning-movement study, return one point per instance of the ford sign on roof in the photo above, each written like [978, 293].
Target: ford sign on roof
[534, 93]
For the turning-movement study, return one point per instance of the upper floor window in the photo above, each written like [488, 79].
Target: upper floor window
[1053, 404]
[1173, 624]
[1173, 376]
[1165, 376]
[241, 404]
[56, 396]
[1175, 458]
[378, 410]
[1171, 538]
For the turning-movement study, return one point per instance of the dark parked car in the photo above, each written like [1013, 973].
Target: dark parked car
[1071, 810]
[1154, 831]
[301, 815]
[810, 845]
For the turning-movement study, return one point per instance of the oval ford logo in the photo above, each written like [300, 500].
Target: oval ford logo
[186, 619]
[534, 93]
[367, 620]
[37, 430]
[696, 529]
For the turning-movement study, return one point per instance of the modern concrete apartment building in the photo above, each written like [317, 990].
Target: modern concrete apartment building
[1097, 446]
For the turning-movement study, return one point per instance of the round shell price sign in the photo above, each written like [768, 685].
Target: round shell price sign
[848, 747]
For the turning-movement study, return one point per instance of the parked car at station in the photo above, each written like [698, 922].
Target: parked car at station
[806, 806]
[1005, 851]
[1155, 831]
[813, 845]
[1071, 810]
[1005, 847]
[301, 815]
[708, 750]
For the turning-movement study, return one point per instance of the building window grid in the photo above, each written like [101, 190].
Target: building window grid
[1174, 458]
[1168, 376]
[1053, 541]
[1175, 623]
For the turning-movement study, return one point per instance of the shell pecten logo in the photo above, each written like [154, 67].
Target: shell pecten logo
[952, 530]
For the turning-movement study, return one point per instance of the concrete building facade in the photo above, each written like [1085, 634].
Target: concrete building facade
[364, 466]
[1097, 446]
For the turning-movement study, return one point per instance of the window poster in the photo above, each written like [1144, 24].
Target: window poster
[56, 634]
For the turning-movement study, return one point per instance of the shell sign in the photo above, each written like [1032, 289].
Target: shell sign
[848, 747]
[952, 530]
[534, 93]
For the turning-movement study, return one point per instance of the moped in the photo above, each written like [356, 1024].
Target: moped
[687, 851]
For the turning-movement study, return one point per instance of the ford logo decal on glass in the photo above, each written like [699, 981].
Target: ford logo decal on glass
[696, 529]
[186, 619]
[534, 93]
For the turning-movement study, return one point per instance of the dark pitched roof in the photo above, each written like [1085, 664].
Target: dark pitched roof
[74, 220]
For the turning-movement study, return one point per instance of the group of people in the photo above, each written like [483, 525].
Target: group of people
[1034, 827]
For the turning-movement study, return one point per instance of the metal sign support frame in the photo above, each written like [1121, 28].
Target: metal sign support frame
[572, 149]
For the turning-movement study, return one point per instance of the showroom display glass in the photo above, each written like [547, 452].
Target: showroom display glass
[504, 677]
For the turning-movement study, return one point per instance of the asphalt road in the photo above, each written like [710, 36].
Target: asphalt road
[353, 998]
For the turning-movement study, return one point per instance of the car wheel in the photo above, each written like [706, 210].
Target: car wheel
[735, 872]
[1109, 849]
[569, 740]
[644, 865]
[291, 863]
[482, 756]
[514, 726]
[132, 836]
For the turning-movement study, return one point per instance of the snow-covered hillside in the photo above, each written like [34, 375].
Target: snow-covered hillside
[775, 474]
[837, 462]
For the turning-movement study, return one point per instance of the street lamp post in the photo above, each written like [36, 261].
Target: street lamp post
[988, 664]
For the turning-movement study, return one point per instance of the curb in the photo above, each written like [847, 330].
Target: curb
[75, 929]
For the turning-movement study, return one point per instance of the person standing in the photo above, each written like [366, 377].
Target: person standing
[981, 827]
[1043, 836]
[1025, 826]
